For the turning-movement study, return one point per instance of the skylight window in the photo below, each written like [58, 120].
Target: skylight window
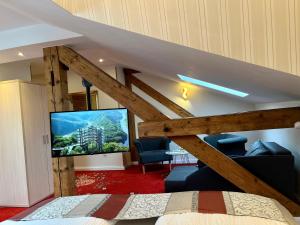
[212, 86]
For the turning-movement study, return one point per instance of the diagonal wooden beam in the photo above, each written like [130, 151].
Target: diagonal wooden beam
[109, 85]
[247, 121]
[229, 169]
[159, 97]
[130, 80]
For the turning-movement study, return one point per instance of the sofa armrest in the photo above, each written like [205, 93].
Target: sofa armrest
[205, 179]
[138, 146]
[165, 144]
[276, 170]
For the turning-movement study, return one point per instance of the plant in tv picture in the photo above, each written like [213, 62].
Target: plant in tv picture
[112, 127]
[63, 141]
[113, 147]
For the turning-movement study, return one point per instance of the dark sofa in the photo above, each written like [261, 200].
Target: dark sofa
[267, 160]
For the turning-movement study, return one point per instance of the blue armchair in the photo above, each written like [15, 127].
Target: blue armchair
[153, 150]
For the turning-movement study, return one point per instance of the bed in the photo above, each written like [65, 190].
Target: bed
[189, 208]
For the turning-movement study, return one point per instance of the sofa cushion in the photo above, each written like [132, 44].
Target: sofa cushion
[229, 144]
[175, 181]
[266, 148]
[257, 148]
[276, 149]
[233, 140]
[213, 139]
[154, 156]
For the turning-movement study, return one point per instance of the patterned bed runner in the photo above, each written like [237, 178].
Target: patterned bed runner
[142, 206]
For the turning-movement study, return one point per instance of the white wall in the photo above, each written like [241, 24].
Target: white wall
[104, 101]
[288, 138]
[17, 70]
[103, 161]
[201, 102]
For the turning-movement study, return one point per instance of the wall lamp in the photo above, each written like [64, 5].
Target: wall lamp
[185, 93]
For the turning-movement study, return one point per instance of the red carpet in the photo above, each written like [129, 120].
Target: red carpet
[131, 180]
[6, 213]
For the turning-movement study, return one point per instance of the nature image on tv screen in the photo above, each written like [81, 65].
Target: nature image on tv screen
[89, 132]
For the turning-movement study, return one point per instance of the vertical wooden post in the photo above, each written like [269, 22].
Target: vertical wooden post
[131, 119]
[57, 84]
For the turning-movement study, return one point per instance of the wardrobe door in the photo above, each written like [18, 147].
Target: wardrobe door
[13, 183]
[47, 133]
[36, 160]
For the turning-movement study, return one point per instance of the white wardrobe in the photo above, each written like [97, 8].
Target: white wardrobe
[25, 156]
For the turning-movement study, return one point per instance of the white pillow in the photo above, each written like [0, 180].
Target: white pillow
[213, 219]
[65, 221]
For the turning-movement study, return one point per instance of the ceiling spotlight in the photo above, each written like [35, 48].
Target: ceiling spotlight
[101, 60]
[20, 54]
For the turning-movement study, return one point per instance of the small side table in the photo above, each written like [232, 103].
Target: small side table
[183, 154]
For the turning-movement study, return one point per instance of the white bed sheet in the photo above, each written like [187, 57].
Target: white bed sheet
[65, 221]
[214, 219]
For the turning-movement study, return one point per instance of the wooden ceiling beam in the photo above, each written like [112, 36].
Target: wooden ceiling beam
[247, 121]
[131, 80]
[229, 169]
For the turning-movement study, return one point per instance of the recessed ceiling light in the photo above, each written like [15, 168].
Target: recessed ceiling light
[101, 60]
[20, 54]
[212, 86]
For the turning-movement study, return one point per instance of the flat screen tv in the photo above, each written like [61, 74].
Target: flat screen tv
[89, 132]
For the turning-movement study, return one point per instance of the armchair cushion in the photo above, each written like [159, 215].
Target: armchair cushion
[154, 156]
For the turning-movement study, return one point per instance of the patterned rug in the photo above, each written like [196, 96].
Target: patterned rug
[131, 180]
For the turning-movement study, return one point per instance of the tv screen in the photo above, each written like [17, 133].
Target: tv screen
[89, 132]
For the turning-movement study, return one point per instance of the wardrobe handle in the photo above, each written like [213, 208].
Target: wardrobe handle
[44, 139]
[47, 139]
